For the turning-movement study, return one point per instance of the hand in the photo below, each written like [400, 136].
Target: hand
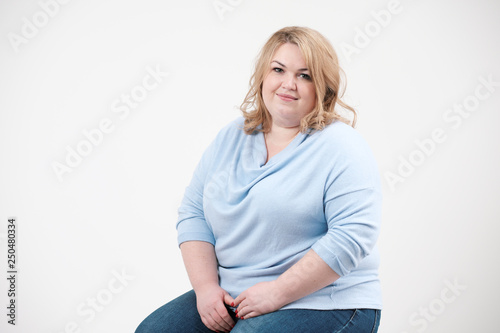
[210, 304]
[257, 300]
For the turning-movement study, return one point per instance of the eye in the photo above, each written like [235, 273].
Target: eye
[305, 76]
[278, 70]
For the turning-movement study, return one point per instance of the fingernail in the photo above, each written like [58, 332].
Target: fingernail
[237, 316]
[242, 318]
[232, 304]
[236, 311]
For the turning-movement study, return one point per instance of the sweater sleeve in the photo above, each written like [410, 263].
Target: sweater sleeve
[352, 206]
[191, 223]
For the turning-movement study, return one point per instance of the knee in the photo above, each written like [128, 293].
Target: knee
[147, 326]
[143, 328]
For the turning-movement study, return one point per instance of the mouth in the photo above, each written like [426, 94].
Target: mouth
[287, 98]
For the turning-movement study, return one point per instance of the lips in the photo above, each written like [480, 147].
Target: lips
[286, 97]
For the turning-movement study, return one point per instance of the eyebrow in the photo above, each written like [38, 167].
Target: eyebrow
[279, 63]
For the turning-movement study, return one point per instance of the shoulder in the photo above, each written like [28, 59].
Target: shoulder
[348, 153]
[229, 136]
[223, 142]
[343, 138]
[233, 129]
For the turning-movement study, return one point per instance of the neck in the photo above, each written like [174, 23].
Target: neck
[282, 135]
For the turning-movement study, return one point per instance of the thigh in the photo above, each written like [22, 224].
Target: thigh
[363, 320]
[178, 315]
[299, 320]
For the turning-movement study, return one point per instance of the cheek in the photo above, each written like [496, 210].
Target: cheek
[268, 85]
[265, 90]
[266, 94]
[311, 95]
[268, 89]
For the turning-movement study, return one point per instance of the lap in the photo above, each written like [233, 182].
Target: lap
[301, 320]
[181, 315]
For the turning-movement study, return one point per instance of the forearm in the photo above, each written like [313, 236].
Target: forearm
[201, 264]
[308, 275]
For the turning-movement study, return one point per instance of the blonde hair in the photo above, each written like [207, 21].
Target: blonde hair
[326, 75]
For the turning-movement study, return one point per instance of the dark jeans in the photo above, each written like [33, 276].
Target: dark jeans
[180, 315]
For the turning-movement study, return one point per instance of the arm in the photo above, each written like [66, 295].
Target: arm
[352, 233]
[306, 276]
[196, 244]
[352, 206]
[201, 266]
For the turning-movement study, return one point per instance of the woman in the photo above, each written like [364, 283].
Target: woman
[278, 226]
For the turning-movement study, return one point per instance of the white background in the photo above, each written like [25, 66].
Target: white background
[115, 213]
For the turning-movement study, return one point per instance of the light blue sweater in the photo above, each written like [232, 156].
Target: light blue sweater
[321, 192]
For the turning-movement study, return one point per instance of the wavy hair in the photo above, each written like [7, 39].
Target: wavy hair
[326, 74]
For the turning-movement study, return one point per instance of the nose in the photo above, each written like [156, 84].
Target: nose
[289, 82]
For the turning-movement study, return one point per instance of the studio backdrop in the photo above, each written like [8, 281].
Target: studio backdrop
[107, 106]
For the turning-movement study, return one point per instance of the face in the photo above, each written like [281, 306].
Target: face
[288, 91]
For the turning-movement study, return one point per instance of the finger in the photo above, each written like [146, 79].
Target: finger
[243, 310]
[208, 322]
[212, 324]
[241, 306]
[241, 297]
[222, 318]
[250, 315]
[247, 313]
[225, 319]
[215, 326]
[229, 300]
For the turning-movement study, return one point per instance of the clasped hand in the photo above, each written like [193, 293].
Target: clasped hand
[210, 304]
[257, 300]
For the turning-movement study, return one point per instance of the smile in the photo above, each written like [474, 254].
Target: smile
[287, 98]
